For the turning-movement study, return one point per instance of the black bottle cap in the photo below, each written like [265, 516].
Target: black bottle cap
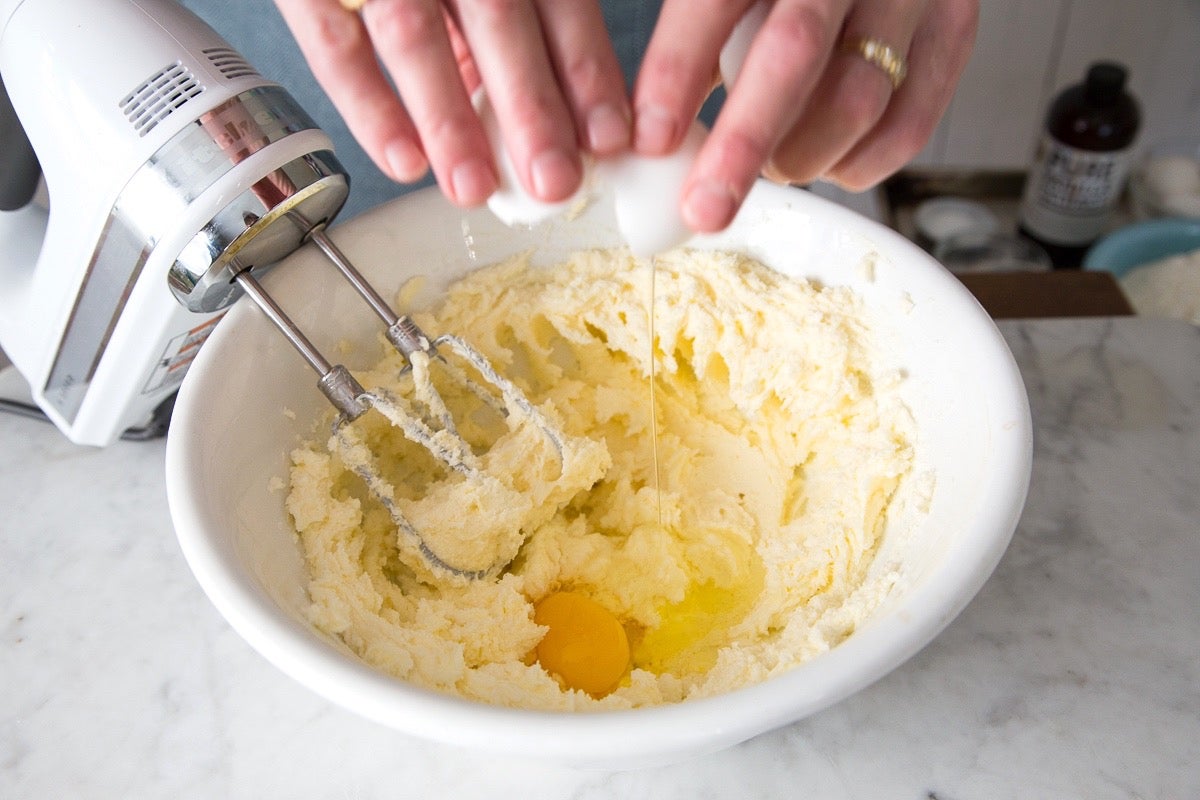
[1105, 82]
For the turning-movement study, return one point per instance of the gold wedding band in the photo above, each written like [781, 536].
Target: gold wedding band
[353, 5]
[880, 55]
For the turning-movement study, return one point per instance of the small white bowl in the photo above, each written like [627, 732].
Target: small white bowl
[249, 399]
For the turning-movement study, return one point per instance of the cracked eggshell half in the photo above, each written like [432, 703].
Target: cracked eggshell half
[511, 203]
[646, 194]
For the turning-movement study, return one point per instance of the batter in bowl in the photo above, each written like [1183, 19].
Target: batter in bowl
[783, 445]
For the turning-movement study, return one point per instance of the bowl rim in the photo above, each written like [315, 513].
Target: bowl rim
[657, 733]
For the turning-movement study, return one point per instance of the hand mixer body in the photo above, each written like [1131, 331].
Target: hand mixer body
[171, 165]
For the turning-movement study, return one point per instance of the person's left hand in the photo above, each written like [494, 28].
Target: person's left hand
[805, 105]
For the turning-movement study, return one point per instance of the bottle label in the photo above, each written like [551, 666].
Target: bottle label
[1070, 193]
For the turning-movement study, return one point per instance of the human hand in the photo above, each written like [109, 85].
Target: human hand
[547, 66]
[804, 105]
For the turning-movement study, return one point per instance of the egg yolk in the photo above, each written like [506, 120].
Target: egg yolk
[585, 646]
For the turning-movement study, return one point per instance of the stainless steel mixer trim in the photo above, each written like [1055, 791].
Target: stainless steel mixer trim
[256, 229]
[145, 209]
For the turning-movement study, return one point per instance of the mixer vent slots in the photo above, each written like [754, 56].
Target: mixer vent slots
[230, 63]
[158, 96]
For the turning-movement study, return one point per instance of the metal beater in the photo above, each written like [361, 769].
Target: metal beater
[425, 419]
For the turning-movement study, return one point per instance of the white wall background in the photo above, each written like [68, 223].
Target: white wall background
[1028, 50]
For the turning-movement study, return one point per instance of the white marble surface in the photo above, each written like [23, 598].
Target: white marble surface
[1074, 674]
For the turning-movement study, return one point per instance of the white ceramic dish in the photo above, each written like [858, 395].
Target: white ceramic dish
[231, 436]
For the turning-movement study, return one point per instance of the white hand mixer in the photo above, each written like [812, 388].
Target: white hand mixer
[171, 166]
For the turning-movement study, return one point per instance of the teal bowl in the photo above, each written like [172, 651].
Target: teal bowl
[1143, 243]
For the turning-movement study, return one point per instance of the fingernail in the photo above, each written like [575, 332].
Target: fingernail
[709, 206]
[554, 174]
[472, 182]
[653, 130]
[406, 162]
[607, 130]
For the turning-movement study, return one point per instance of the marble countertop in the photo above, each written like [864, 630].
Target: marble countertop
[1075, 673]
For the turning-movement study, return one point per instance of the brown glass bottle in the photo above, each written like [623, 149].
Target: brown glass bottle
[1081, 166]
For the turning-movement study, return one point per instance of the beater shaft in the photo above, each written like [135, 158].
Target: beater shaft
[402, 332]
[336, 382]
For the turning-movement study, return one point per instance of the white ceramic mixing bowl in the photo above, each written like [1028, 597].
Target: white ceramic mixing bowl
[249, 399]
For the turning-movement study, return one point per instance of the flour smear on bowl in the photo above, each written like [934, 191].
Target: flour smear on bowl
[784, 447]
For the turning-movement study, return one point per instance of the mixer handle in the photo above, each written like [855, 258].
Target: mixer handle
[19, 168]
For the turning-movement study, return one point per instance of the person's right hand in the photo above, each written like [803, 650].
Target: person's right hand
[547, 66]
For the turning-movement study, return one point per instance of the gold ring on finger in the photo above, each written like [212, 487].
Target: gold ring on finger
[879, 54]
